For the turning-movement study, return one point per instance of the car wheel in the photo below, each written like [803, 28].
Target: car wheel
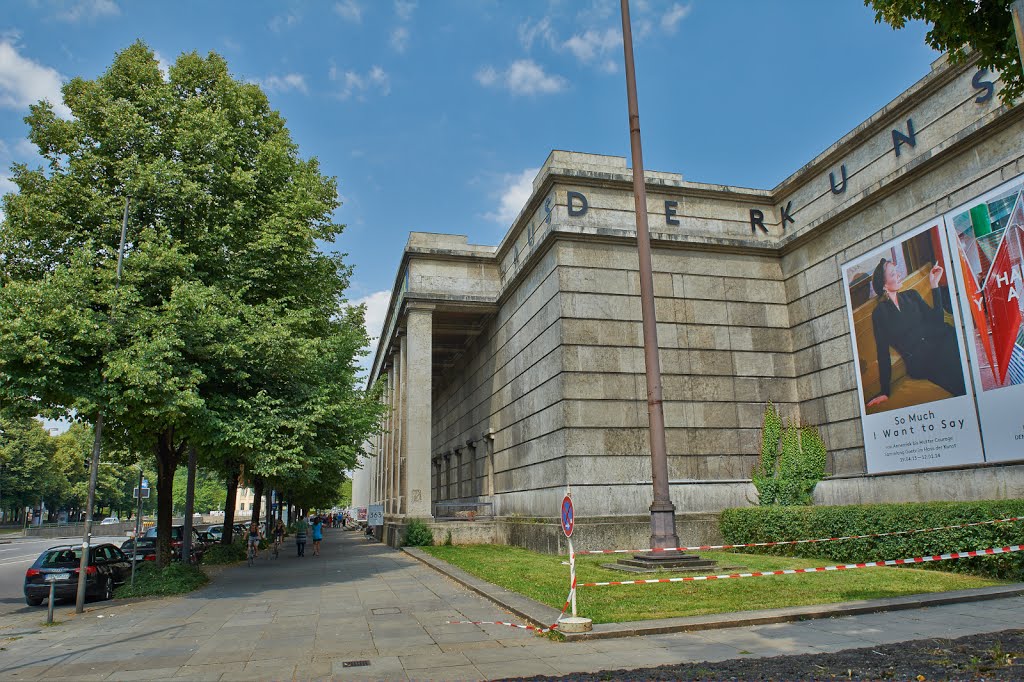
[108, 589]
[33, 601]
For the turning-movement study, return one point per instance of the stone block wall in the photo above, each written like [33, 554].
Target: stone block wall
[823, 352]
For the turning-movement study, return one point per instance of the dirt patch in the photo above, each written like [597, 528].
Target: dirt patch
[991, 656]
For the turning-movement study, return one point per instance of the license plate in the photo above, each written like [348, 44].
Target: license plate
[54, 577]
[140, 557]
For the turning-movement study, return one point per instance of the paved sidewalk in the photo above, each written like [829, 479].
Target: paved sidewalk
[305, 618]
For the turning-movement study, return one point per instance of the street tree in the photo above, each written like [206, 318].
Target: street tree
[227, 306]
[963, 28]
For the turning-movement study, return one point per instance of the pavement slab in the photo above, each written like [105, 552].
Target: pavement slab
[361, 602]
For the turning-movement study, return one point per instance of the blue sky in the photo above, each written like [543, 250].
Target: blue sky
[435, 114]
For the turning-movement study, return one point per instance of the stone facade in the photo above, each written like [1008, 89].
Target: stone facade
[516, 370]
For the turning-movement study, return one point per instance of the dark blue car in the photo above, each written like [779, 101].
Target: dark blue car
[108, 567]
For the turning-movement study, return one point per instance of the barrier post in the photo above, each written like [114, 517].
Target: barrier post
[567, 515]
[572, 577]
[49, 603]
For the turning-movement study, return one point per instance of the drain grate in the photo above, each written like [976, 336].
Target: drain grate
[355, 664]
[390, 611]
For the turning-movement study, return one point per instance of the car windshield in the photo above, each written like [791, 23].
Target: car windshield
[175, 533]
[143, 543]
[60, 558]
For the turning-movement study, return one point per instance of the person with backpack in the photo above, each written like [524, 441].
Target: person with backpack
[318, 534]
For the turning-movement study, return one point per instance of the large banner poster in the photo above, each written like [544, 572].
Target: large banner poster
[988, 234]
[917, 408]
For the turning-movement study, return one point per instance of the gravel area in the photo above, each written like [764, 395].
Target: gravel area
[994, 656]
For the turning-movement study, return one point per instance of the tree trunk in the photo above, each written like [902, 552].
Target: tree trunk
[257, 499]
[229, 506]
[166, 464]
[190, 504]
[270, 510]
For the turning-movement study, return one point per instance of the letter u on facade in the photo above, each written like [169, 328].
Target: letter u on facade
[841, 187]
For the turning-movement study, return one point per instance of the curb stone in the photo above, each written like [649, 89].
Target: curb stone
[543, 615]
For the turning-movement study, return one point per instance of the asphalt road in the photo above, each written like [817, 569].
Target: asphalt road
[17, 556]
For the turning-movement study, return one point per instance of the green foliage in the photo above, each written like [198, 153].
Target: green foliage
[417, 534]
[153, 581]
[769, 524]
[963, 27]
[224, 554]
[448, 539]
[210, 491]
[793, 460]
[230, 331]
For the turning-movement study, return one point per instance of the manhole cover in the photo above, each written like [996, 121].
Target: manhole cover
[355, 664]
[386, 612]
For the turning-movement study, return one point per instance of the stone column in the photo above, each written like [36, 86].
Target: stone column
[419, 407]
[385, 483]
[393, 449]
[489, 454]
[403, 382]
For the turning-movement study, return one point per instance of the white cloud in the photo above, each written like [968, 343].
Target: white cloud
[526, 77]
[539, 30]
[675, 14]
[400, 39]
[163, 64]
[523, 77]
[6, 185]
[376, 309]
[516, 191]
[355, 84]
[405, 8]
[285, 83]
[350, 11]
[283, 21]
[486, 76]
[88, 10]
[24, 82]
[592, 44]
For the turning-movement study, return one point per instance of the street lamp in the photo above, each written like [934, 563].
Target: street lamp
[1017, 13]
[663, 519]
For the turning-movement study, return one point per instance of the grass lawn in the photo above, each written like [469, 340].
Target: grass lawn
[543, 577]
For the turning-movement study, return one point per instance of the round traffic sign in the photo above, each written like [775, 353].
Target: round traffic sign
[568, 516]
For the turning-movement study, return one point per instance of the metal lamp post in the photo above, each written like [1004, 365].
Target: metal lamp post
[1017, 14]
[94, 464]
[663, 524]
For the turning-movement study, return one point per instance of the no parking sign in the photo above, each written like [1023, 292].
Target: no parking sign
[568, 516]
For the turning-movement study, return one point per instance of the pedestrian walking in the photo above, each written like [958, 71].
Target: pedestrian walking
[318, 534]
[301, 530]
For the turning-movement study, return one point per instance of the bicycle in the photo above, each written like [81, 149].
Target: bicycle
[252, 553]
[277, 546]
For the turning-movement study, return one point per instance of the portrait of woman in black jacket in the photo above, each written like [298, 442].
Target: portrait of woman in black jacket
[903, 320]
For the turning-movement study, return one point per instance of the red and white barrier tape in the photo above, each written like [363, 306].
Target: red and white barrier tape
[819, 569]
[798, 542]
[534, 628]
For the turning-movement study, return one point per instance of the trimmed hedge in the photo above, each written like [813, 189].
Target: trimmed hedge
[770, 524]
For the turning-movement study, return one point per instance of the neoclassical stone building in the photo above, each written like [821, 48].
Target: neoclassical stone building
[516, 370]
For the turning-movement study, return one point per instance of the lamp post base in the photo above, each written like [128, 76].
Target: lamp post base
[663, 525]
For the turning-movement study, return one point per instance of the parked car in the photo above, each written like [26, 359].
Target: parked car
[110, 521]
[144, 550]
[215, 531]
[199, 544]
[108, 567]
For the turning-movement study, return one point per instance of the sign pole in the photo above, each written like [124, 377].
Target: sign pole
[572, 577]
[138, 525]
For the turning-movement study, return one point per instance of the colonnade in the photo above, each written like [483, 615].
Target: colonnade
[400, 470]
